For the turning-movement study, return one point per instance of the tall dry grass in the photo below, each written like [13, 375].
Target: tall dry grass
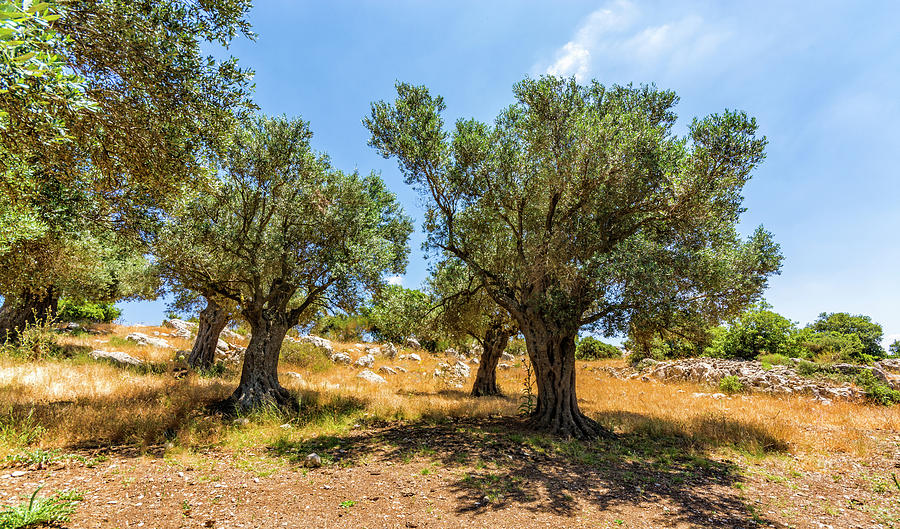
[78, 402]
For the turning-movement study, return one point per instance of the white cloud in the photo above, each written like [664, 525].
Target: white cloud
[574, 58]
[619, 36]
[395, 280]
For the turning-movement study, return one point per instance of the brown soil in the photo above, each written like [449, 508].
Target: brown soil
[465, 473]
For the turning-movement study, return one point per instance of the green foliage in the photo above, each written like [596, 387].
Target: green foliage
[398, 313]
[39, 511]
[283, 230]
[877, 391]
[87, 311]
[775, 359]
[757, 331]
[557, 241]
[342, 327]
[37, 340]
[894, 348]
[862, 327]
[730, 384]
[306, 356]
[834, 347]
[590, 348]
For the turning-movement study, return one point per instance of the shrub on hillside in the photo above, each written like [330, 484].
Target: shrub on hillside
[876, 390]
[755, 332]
[342, 327]
[831, 347]
[894, 348]
[87, 311]
[862, 327]
[590, 348]
[730, 385]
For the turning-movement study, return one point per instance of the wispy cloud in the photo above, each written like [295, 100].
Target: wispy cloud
[395, 280]
[619, 35]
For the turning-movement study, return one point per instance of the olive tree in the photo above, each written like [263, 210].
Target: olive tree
[213, 314]
[464, 309]
[282, 234]
[108, 111]
[575, 204]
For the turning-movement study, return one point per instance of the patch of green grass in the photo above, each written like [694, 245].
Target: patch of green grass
[118, 341]
[730, 385]
[39, 457]
[38, 511]
[346, 504]
[775, 359]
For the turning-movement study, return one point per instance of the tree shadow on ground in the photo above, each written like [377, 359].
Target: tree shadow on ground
[662, 469]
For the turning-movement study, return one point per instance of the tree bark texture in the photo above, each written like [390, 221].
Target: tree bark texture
[23, 310]
[552, 354]
[213, 319]
[259, 386]
[494, 343]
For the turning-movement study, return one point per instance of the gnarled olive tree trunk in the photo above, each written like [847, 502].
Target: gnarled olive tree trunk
[213, 319]
[25, 309]
[259, 385]
[552, 353]
[494, 343]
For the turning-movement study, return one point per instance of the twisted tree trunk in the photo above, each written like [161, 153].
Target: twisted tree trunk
[552, 353]
[213, 319]
[259, 386]
[494, 343]
[25, 309]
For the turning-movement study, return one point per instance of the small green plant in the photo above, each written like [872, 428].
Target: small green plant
[877, 391]
[39, 511]
[526, 401]
[730, 384]
[346, 504]
[87, 311]
[216, 370]
[38, 457]
[118, 341]
[37, 340]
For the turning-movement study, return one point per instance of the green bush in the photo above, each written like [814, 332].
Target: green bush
[862, 327]
[833, 347]
[305, 355]
[87, 311]
[775, 359]
[342, 327]
[755, 332]
[730, 385]
[590, 348]
[877, 391]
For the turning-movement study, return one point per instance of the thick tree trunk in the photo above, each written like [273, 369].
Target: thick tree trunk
[495, 340]
[259, 385]
[24, 310]
[213, 319]
[552, 354]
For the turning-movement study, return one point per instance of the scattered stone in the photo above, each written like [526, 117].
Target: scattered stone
[293, 375]
[506, 357]
[286, 426]
[143, 339]
[313, 460]
[412, 356]
[116, 357]
[321, 343]
[365, 361]
[17, 473]
[389, 350]
[341, 358]
[183, 329]
[372, 377]
[387, 370]
[412, 342]
[503, 366]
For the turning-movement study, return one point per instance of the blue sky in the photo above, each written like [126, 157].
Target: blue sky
[820, 77]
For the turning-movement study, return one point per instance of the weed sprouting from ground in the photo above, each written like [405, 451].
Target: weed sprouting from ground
[38, 511]
[526, 401]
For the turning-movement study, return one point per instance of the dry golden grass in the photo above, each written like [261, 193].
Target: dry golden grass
[79, 402]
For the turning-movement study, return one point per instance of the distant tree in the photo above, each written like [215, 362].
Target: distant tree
[397, 313]
[282, 234]
[755, 332]
[868, 332]
[590, 348]
[578, 203]
[894, 348]
[108, 111]
[464, 309]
